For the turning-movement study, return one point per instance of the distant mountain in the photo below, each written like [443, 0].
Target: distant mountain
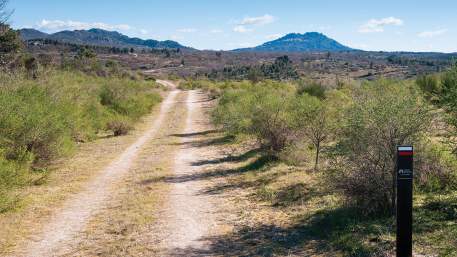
[295, 42]
[32, 34]
[98, 37]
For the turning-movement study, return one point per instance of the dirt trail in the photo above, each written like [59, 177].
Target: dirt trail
[189, 214]
[65, 225]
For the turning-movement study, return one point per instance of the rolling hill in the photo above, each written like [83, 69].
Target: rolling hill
[295, 42]
[99, 37]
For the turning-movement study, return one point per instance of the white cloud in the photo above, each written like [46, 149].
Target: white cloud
[241, 29]
[144, 31]
[274, 36]
[215, 31]
[247, 24]
[375, 25]
[54, 25]
[187, 30]
[260, 20]
[433, 33]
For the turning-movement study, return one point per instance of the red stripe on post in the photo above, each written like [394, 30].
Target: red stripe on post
[405, 153]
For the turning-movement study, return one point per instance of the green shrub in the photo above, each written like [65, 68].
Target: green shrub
[32, 123]
[10, 45]
[40, 119]
[383, 116]
[435, 168]
[430, 85]
[129, 98]
[272, 113]
[311, 88]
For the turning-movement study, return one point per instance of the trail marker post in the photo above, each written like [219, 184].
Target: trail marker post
[404, 201]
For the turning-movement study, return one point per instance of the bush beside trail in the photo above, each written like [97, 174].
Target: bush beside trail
[42, 119]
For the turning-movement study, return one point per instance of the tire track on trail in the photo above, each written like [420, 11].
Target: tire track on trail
[191, 217]
[65, 225]
[190, 220]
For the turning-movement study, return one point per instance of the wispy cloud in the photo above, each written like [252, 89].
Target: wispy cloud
[432, 33]
[55, 25]
[187, 30]
[375, 25]
[247, 24]
[260, 20]
[242, 29]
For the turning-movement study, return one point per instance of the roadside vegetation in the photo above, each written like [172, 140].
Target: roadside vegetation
[340, 145]
[47, 108]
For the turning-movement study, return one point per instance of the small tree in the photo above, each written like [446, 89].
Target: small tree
[317, 127]
[10, 45]
[10, 42]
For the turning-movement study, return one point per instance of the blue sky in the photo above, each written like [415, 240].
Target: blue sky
[409, 25]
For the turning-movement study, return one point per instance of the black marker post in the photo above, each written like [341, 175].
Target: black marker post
[404, 201]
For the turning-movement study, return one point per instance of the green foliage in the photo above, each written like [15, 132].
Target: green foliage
[383, 116]
[435, 167]
[311, 88]
[270, 112]
[41, 119]
[10, 45]
[442, 91]
[128, 98]
[85, 53]
[32, 124]
[430, 85]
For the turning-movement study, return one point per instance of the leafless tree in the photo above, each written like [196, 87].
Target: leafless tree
[5, 14]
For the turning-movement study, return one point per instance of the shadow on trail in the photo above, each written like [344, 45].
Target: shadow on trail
[317, 234]
[239, 158]
[255, 165]
[206, 142]
[200, 133]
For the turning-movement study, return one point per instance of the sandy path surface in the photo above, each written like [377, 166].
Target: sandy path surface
[191, 216]
[189, 213]
[62, 231]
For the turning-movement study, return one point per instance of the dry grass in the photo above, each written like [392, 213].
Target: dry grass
[273, 199]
